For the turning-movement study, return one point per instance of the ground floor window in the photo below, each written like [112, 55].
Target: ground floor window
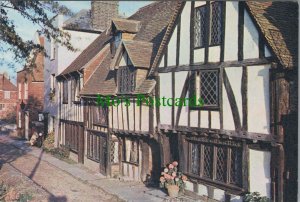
[71, 133]
[96, 146]
[131, 150]
[216, 162]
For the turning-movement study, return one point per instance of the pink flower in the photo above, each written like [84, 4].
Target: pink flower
[162, 179]
[174, 174]
[171, 166]
[167, 176]
[175, 163]
[184, 178]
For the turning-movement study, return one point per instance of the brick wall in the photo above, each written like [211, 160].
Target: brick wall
[103, 12]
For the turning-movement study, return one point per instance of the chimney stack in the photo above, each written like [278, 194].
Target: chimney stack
[102, 12]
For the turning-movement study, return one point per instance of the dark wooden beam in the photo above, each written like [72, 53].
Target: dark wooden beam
[261, 45]
[223, 24]
[207, 32]
[244, 91]
[232, 102]
[173, 96]
[210, 65]
[245, 165]
[223, 133]
[178, 41]
[241, 31]
[192, 35]
[183, 95]
[221, 97]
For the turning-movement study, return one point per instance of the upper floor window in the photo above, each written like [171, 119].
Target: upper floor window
[126, 78]
[6, 94]
[75, 84]
[65, 92]
[204, 84]
[52, 82]
[214, 23]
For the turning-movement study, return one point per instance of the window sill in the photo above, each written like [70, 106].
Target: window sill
[211, 108]
[230, 188]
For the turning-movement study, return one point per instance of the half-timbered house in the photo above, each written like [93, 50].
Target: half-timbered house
[239, 58]
[121, 82]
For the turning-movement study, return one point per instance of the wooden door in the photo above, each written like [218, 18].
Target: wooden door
[103, 153]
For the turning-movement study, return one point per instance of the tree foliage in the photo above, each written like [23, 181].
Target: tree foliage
[37, 12]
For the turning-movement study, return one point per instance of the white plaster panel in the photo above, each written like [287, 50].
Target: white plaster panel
[123, 60]
[120, 121]
[199, 3]
[115, 118]
[131, 115]
[267, 52]
[145, 118]
[180, 78]
[199, 55]
[204, 119]
[215, 119]
[189, 186]
[165, 91]
[162, 62]
[214, 54]
[137, 116]
[194, 118]
[236, 199]
[125, 168]
[235, 79]
[125, 121]
[259, 168]
[219, 194]
[184, 57]
[258, 99]
[172, 49]
[202, 190]
[250, 38]
[231, 31]
[228, 123]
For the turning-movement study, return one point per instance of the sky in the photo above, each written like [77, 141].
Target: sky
[27, 30]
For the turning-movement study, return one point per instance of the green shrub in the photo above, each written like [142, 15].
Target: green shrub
[255, 197]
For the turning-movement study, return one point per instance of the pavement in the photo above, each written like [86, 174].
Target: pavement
[74, 182]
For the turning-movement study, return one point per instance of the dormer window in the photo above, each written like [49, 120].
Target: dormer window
[126, 79]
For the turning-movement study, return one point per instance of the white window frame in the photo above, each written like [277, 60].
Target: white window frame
[7, 95]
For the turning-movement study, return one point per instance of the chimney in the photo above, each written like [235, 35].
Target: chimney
[102, 13]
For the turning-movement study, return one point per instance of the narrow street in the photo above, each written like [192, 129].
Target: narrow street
[49, 182]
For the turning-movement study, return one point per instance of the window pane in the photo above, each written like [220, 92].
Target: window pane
[221, 164]
[126, 79]
[236, 166]
[209, 87]
[207, 161]
[215, 38]
[195, 158]
[199, 27]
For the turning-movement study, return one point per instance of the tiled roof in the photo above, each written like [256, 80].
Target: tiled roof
[80, 21]
[139, 52]
[102, 81]
[278, 21]
[89, 53]
[125, 25]
[154, 20]
[6, 85]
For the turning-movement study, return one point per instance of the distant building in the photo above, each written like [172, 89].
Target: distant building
[83, 31]
[8, 98]
[30, 83]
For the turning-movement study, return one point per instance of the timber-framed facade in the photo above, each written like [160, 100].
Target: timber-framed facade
[239, 62]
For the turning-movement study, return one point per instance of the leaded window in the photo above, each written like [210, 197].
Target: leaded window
[126, 77]
[96, 146]
[204, 85]
[199, 27]
[114, 152]
[216, 23]
[201, 22]
[209, 87]
[216, 162]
